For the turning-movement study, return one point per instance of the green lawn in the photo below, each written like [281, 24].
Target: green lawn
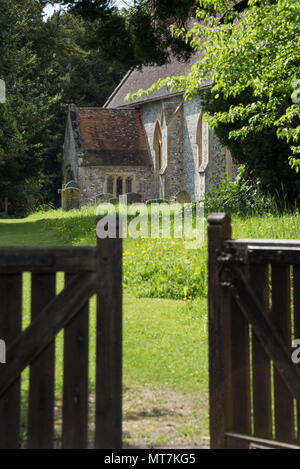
[25, 232]
[165, 322]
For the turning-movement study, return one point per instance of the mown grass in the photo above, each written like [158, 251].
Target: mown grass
[165, 319]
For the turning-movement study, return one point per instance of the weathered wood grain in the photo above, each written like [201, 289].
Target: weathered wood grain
[56, 315]
[10, 328]
[48, 259]
[41, 392]
[237, 441]
[241, 404]
[220, 367]
[296, 285]
[281, 317]
[261, 367]
[75, 386]
[109, 345]
[267, 333]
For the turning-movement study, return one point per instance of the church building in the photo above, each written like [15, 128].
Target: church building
[157, 145]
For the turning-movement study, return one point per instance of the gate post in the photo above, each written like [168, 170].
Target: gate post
[108, 433]
[219, 230]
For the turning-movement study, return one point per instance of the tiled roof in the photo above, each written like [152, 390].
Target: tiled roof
[111, 137]
[144, 78]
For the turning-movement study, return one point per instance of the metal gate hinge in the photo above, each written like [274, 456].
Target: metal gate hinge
[225, 273]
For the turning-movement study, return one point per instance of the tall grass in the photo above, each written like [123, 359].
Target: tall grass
[166, 268]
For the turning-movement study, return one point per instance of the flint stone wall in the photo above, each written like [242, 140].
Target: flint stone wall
[92, 181]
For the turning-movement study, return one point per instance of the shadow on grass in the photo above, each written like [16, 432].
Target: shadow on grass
[29, 233]
[154, 413]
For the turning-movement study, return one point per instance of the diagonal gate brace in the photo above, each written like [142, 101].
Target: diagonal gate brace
[266, 332]
[56, 315]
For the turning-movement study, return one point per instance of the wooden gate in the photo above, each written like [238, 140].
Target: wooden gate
[254, 314]
[88, 271]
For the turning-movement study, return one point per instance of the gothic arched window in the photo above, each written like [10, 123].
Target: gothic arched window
[199, 141]
[158, 155]
[128, 185]
[110, 185]
[119, 186]
[158, 147]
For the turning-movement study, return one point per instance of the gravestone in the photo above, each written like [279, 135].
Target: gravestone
[104, 197]
[133, 198]
[183, 197]
[70, 196]
[114, 200]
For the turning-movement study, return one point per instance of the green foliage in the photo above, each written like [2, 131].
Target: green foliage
[265, 155]
[20, 115]
[257, 54]
[46, 65]
[77, 75]
[137, 35]
[239, 197]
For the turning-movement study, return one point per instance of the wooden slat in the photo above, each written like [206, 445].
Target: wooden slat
[267, 333]
[41, 394]
[261, 368]
[48, 259]
[281, 316]
[273, 254]
[236, 441]
[75, 387]
[241, 404]
[278, 255]
[296, 285]
[236, 243]
[44, 328]
[109, 345]
[10, 328]
[220, 389]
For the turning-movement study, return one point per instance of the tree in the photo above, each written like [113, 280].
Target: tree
[251, 62]
[46, 65]
[265, 155]
[20, 157]
[140, 34]
[70, 73]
